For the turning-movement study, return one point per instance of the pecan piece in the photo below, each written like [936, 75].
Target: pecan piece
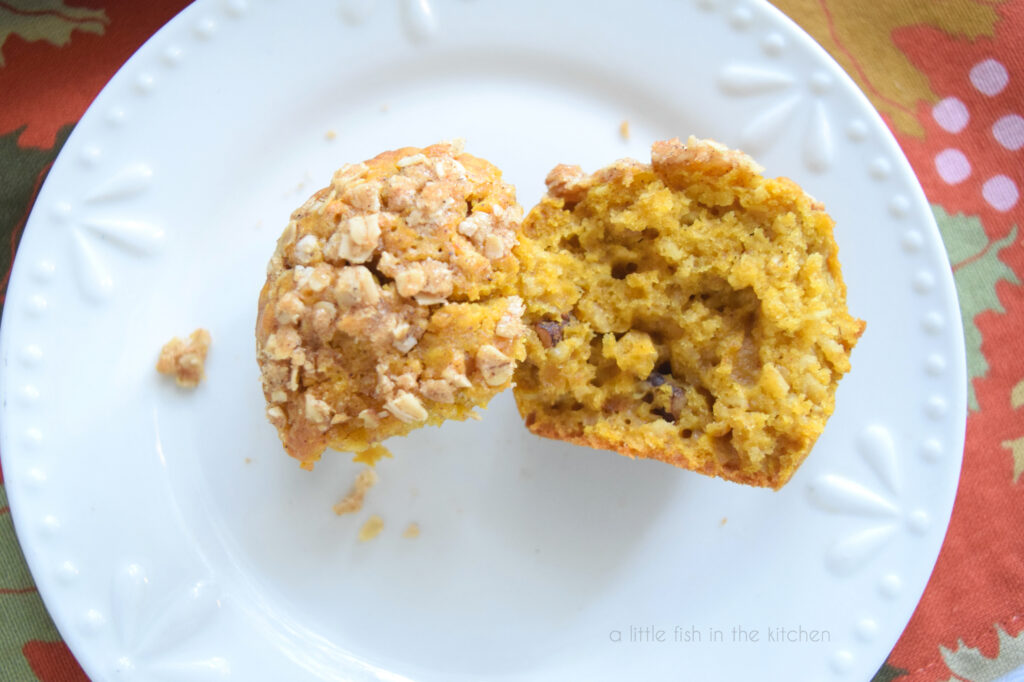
[549, 332]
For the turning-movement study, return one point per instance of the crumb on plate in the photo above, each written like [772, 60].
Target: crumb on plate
[371, 529]
[624, 130]
[412, 531]
[185, 360]
[353, 502]
[330, 134]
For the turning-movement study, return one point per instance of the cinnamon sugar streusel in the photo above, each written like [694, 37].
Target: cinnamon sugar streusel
[389, 302]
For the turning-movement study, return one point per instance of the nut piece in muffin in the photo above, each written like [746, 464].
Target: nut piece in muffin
[689, 310]
[390, 302]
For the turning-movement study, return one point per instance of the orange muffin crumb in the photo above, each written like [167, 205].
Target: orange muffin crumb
[371, 529]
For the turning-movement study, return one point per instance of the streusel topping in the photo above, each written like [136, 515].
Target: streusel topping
[389, 301]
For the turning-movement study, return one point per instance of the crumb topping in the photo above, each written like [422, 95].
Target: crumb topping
[390, 301]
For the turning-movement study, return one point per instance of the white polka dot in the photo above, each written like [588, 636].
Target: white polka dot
[1000, 192]
[951, 115]
[1009, 131]
[952, 165]
[990, 77]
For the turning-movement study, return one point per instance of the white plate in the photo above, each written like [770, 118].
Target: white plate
[170, 536]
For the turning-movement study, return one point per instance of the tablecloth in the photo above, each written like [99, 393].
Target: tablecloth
[947, 76]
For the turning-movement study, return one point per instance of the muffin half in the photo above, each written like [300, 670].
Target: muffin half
[390, 302]
[689, 310]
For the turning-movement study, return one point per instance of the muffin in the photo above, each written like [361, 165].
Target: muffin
[689, 310]
[390, 302]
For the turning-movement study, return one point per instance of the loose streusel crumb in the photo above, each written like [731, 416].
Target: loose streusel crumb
[371, 529]
[390, 302]
[624, 130]
[353, 502]
[185, 360]
[330, 134]
[412, 531]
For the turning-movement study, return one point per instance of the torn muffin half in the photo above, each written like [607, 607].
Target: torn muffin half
[689, 310]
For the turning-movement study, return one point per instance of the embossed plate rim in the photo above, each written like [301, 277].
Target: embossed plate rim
[867, 496]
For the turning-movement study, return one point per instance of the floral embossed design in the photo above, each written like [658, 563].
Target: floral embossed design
[92, 230]
[418, 19]
[149, 634]
[781, 99]
[837, 494]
